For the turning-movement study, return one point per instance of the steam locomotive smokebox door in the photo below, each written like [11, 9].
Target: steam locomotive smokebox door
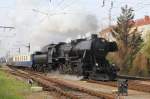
[112, 46]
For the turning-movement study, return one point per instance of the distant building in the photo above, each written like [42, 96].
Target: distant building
[142, 22]
[142, 25]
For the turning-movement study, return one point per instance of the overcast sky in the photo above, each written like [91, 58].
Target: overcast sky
[44, 21]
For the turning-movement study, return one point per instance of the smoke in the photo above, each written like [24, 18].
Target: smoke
[40, 29]
[71, 24]
[56, 74]
[60, 27]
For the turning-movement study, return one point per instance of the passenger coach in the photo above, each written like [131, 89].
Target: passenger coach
[20, 61]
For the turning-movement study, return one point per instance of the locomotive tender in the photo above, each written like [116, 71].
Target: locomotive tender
[86, 57]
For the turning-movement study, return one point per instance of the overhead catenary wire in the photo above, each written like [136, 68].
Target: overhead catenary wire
[103, 3]
[68, 5]
[50, 3]
[7, 27]
[59, 4]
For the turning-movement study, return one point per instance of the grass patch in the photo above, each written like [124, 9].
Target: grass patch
[11, 88]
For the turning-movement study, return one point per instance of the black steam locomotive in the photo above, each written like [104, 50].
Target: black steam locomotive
[86, 57]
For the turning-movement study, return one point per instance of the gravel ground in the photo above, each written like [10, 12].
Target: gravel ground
[133, 94]
[44, 95]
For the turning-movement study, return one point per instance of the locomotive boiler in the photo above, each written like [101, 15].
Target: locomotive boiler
[83, 57]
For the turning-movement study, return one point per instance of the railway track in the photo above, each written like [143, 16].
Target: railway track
[61, 87]
[133, 77]
[132, 84]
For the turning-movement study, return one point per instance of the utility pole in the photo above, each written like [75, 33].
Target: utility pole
[103, 3]
[110, 18]
[8, 54]
[10, 28]
[19, 50]
[29, 47]
[109, 14]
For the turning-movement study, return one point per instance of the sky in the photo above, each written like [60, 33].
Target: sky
[41, 22]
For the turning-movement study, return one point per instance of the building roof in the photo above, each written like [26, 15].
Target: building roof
[137, 23]
[142, 21]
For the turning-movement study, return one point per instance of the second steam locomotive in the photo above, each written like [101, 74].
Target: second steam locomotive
[86, 57]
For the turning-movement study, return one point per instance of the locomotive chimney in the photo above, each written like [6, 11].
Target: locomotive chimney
[93, 36]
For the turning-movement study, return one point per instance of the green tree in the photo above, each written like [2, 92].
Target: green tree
[127, 37]
[146, 47]
[124, 25]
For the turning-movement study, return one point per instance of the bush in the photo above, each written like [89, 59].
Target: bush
[146, 47]
[1, 65]
[140, 66]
